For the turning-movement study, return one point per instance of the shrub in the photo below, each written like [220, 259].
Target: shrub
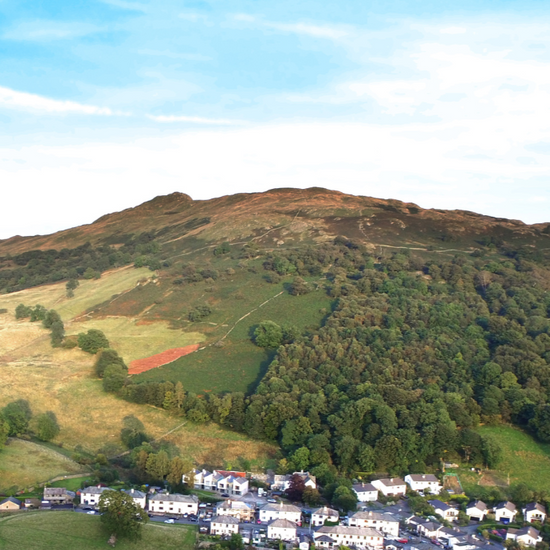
[92, 341]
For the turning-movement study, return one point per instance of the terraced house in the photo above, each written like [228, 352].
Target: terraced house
[386, 523]
[173, 504]
[221, 481]
[269, 512]
[329, 537]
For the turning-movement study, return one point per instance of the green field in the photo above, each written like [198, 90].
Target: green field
[525, 459]
[24, 463]
[72, 531]
[239, 364]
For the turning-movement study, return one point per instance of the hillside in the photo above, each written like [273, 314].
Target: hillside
[390, 332]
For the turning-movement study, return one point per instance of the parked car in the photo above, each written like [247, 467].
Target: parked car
[169, 520]
[271, 501]
[91, 512]
[225, 495]
[402, 540]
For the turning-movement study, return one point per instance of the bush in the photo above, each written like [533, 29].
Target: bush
[47, 427]
[268, 335]
[92, 341]
[113, 378]
[105, 358]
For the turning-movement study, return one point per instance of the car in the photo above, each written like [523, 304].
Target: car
[185, 515]
[259, 521]
[207, 519]
[91, 512]
[170, 520]
[271, 501]
[402, 540]
[225, 495]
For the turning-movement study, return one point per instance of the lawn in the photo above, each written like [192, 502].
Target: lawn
[70, 531]
[525, 459]
[23, 464]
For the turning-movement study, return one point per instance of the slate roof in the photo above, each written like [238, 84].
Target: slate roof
[438, 505]
[225, 519]
[282, 523]
[343, 530]
[174, 498]
[479, 504]
[135, 494]
[391, 482]
[373, 515]
[423, 477]
[11, 499]
[510, 506]
[280, 508]
[532, 506]
[364, 488]
[325, 511]
[95, 490]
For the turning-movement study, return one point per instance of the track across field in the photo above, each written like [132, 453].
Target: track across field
[142, 365]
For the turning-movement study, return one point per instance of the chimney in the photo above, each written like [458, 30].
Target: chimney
[132, 491]
[391, 479]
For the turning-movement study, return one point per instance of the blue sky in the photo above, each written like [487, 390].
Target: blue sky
[106, 104]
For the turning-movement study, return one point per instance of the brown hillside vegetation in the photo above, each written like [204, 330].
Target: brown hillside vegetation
[283, 216]
[143, 365]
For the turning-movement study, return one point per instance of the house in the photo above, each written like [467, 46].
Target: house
[10, 503]
[444, 510]
[319, 516]
[477, 510]
[429, 529]
[235, 508]
[281, 529]
[384, 523]
[139, 497]
[394, 486]
[90, 495]
[534, 512]
[337, 535]
[450, 536]
[173, 504]
[423, 482]
[366, 492]
[58, 495]
[282, 482]
[505, 512]
[224, 525]
[415, 521]
[527, 536]
[304, 542]
[270, 512]
[222, 481]
[32, 503]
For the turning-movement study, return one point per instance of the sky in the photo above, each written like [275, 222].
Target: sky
[105, 104]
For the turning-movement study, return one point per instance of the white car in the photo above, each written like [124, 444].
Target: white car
[91, 512]
[168, 521]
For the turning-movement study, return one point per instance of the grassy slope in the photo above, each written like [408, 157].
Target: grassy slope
[69, 531]
[25, 463]
[525, 459]
[239, 364]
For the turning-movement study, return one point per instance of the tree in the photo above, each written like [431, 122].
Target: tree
[47, 426]
[4, 431]
[22, 311]
[17, 414]
[268, 335]
[113, 378]
[133, 432]
[491, 450]
[296, 487]
[179, 469]
[120, 516]
[344, 498]
[57, 333]
[107, 357]
[92, 341]
[71, 286]
[311, 496]
[299, 287]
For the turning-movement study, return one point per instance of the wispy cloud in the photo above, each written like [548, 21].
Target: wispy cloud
[197, 120]
[49, 30]
[32, 102]
[318, 31]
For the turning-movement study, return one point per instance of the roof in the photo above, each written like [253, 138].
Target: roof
[391, 482]
[55, 491]
[282, 523]
[227, 473]
[325, 511]
[374, 515]
[417, 520]
[479, 504]
[324, 538]
[225, 519]
[343, 530]
[532, 506]
[423, 477]
[431, 526]
[528, 530]
[439, 505]
[506, 505]
[13, 500]
[233, 505]
[95, 490]
[281, 508]
[174, 498]
[364, 488]
[134, 493]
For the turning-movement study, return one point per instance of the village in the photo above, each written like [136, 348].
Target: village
[263, 517]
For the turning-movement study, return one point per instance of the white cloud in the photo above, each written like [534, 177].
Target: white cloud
[196, 120]
[23, 100]
[39, 30]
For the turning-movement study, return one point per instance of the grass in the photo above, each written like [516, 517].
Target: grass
[24, 464]
[525, 459]
[239, 364]
[70, 531]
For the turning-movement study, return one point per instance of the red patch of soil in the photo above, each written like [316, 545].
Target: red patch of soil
[141, 365]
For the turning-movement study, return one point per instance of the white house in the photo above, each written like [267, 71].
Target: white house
[528, 536]
[505, 512]
[224, 525]
[90, 495]
[269, 512]
[236, 509]
[444, 510]
[423, 482]
[393, 486]
[534, 512]
[319, 516]
[386, 523]
[477, 510]
[173, 504]
[366, 492]
[281, 529]
[429, 529]
[450, 536]
[337, 535]
[233, 483]
[139, 498]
